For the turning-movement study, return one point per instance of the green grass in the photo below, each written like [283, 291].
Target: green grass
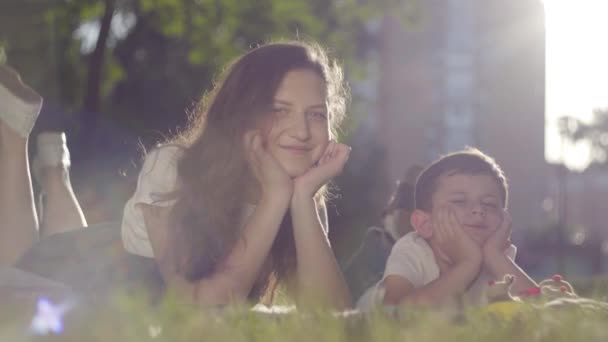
[131, 319]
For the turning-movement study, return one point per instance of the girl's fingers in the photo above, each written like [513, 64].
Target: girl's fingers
[327, 154]
[248, 140]
[254, 151]
[333, 148]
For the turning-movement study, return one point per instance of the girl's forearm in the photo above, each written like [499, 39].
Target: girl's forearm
[319, 279]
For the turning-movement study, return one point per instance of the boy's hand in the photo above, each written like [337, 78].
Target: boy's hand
[556, 287]
[330, 165]
[455, 245]
[497, 243]
[273, 179]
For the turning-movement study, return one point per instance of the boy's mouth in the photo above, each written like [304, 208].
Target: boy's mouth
[480, 227]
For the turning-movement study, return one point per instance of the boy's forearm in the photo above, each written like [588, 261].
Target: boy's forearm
[449, 285]
[499, 265]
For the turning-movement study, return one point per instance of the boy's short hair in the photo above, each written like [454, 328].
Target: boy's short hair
[468, 161]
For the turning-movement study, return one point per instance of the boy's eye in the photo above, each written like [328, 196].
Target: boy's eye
[458, 201]
[490, 205]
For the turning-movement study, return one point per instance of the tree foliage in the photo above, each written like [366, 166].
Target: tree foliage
[146, 77]
[595, 132]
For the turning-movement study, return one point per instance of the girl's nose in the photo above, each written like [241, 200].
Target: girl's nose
[300, 128]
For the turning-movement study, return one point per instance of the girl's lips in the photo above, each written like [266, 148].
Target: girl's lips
[296, 149]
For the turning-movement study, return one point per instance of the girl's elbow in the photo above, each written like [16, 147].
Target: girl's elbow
[208, 295]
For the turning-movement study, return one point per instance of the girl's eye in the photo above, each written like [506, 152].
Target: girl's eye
[318, 115]
[490, 205]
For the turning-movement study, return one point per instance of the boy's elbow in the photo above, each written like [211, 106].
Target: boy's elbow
[392, 298]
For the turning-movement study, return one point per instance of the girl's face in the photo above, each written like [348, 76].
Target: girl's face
[297, 131]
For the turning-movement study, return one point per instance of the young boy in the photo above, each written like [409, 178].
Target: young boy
[462, 235]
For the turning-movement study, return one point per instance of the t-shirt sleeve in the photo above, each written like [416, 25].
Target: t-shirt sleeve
[404, 261]
[511, 252]
[158, 177]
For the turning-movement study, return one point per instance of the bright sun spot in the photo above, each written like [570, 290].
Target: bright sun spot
[577, 70]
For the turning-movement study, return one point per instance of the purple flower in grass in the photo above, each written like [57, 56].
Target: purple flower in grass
[48, 318]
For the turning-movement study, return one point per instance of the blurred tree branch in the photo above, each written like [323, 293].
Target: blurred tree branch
[595, 132]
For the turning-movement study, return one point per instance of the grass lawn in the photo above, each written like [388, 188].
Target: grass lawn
[133, 319]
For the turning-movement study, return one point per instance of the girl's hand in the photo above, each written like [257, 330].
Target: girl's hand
[500, 240]
[273, 179]
[330, 165]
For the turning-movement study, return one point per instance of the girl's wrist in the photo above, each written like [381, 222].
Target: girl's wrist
[302, 195]
[276, 198]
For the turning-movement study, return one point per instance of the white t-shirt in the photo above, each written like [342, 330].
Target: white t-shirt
[413, 259]
[157, 178]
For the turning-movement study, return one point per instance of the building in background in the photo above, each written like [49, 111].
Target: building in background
[471, 73]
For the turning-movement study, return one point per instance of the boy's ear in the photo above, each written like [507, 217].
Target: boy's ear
[421, 221]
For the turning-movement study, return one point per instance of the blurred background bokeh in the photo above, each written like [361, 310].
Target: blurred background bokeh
[522, 80]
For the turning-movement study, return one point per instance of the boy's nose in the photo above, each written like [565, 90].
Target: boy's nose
[478, 210]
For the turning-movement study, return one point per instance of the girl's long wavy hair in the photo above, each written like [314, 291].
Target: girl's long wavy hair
[213, 172]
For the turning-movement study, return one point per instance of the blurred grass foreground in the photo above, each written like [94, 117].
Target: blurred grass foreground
[132, 318]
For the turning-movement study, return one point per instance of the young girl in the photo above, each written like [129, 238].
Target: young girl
[235, 204]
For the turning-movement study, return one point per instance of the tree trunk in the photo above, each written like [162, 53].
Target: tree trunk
[90, 108]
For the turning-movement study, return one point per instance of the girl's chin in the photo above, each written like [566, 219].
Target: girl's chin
[295, 171]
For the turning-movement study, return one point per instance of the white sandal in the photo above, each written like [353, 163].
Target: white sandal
[52, 151]
[19, 104]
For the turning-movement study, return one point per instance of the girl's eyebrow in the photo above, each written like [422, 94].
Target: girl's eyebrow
[287, 103]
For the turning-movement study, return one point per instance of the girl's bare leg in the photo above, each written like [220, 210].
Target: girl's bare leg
[18, 220]
[61, 211]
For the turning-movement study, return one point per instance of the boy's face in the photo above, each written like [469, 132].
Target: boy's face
[475, 199]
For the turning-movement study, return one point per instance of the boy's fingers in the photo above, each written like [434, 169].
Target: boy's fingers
[454, 225]
[443, 227]
[506, 220]
[506, 226]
